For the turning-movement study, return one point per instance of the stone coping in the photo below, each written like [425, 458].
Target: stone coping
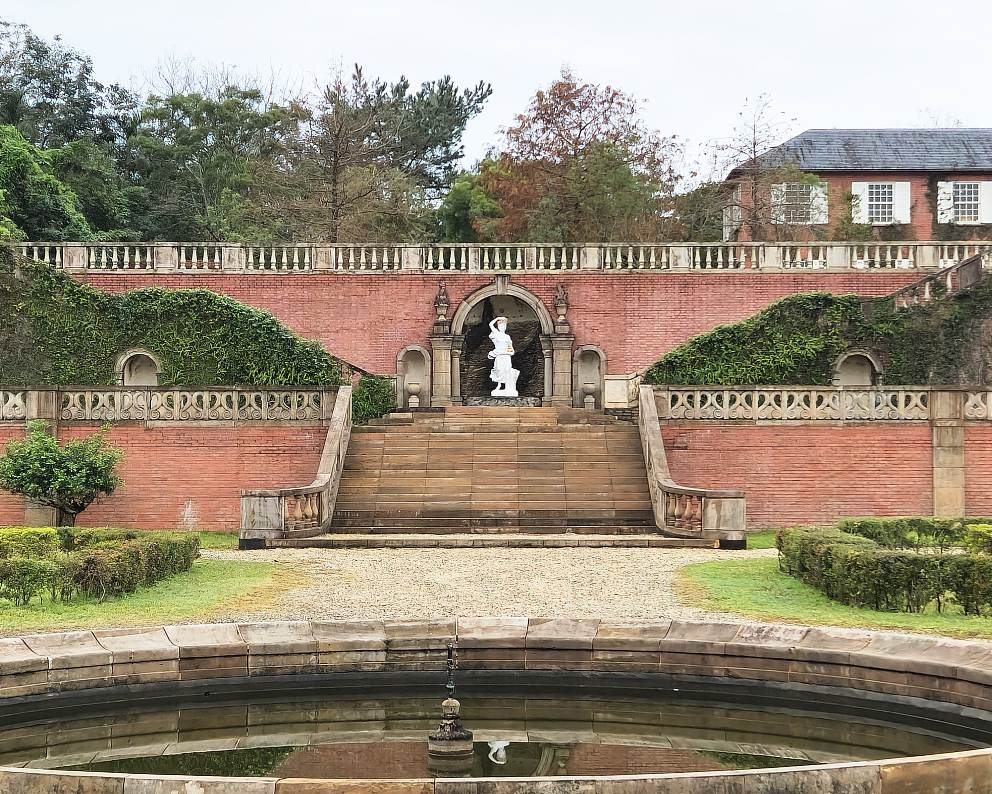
[956, 672]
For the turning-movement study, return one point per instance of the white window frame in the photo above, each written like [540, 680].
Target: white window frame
[880, 201]
[901, 202]
[806, 207]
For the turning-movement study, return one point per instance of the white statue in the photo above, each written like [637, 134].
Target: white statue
[503, 372]
[497, 752]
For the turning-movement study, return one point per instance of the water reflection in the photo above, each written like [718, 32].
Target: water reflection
[516, 736]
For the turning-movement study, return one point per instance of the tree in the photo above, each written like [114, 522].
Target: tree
[34, 204]
[68, 477]
[581, 165]
[102, 195]
[468, 213]
[369, 157]
[47, 89]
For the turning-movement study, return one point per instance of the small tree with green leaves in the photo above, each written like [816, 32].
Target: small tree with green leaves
[68, 477]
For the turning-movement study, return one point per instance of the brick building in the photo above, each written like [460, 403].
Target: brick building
[905, 184]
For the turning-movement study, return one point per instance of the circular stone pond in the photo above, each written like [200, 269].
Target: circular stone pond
[584, 705]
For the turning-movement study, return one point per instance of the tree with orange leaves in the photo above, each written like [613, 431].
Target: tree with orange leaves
[582, 166]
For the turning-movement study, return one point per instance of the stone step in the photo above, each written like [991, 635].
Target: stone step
[509, 540]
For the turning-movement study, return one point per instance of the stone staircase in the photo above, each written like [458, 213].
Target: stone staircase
[494, 476]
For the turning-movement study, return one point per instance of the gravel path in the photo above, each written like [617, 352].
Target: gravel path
[422, 583]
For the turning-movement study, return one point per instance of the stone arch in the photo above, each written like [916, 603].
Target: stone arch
[137, 367]
[413, 365]
[857, 367]
[588, 366]
[491, 290]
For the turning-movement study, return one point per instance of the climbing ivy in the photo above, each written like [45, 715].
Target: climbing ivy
[61, 332]
[798, 339]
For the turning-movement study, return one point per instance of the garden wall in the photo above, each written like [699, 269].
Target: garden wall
[191, 476]
[804, 473]
[634, 317]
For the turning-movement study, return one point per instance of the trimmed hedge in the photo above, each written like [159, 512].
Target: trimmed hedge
[68, 563]
[894, 565]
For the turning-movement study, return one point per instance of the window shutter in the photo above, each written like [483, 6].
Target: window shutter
[985, 202]
[778, 200]
[945, 202]
[818, 205]
[859, 202]
[900, 202]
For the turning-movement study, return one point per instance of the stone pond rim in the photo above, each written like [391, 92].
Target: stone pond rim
[902, 669]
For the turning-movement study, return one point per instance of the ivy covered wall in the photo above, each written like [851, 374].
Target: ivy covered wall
[57, 332]
[798, 339]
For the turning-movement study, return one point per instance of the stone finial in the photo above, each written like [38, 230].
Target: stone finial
[441, 302]
[561, 301]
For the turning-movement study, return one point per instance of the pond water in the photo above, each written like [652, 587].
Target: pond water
[328, 734]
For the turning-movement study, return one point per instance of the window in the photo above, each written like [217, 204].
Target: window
[880, 203]
[797, 201]
[966, 202]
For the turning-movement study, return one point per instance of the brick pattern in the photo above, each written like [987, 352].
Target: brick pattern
[793, 474]
[191, 476]
[634, 317]
[978, 469]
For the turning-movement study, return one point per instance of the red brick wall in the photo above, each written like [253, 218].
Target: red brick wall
[794, 474]
[199, 472]
[11, 507]
[634, 317]
[978, 469]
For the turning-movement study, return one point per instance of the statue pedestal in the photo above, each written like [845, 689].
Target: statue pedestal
[506, 402]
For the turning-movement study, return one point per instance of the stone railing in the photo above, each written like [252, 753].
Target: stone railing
[306, 510]
[795, 403]
[950, 280]
[155, 404]
[220, 257]
[687, 512]
[881, 672]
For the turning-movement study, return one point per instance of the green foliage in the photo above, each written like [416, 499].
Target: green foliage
[36, 205]
[69, 564]
[468, 212]
[798, 339]
[68, 332]
[978, 538]
[373, 397]
[67, 477]
[27, 542]
[103, 197]
[877, 570]
[251, 762]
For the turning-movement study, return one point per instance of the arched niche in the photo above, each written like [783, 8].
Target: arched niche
[588, 367]
[857, 368]
[138, 367]
[448, 340]
[413, 366]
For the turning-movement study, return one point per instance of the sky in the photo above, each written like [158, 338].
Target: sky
[842, 63]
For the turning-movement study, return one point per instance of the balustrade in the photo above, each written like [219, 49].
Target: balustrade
[13, 405]
[175, 405]
[464, 257]
[793, 404]
[978, 405]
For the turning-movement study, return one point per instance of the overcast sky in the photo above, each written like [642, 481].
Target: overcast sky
[842, 63]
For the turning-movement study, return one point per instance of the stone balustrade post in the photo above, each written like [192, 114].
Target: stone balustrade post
[42, 404]
[233, 258]
[839, 256]
[323, 257]
[927, 256]
[681, 257]
[592, 257]
[768, 256]
[947, 428]
[412, 257]
[74, 257]
[166, 257]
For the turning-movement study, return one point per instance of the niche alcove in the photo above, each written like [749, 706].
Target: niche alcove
[524, 328]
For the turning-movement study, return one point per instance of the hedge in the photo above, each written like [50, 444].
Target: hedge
[71, 563]
[894, 565]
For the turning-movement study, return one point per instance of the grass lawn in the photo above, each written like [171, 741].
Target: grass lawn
[756, 589]
[758, 540]
[209, 589]
[229, 540]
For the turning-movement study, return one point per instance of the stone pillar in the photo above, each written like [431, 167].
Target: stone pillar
[947, 427]
[441, 374]
[457, 342]
[323, 257]
[839, 256]
[74, 257]
[412, 257]
[166, 257]
[548, 350]
[592, 258]
[561, 367]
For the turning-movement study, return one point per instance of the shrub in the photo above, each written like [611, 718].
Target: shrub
[862, 572]
[978, 538]
[22, 578]
[373, 397]
[27, 542]
[908, 532]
